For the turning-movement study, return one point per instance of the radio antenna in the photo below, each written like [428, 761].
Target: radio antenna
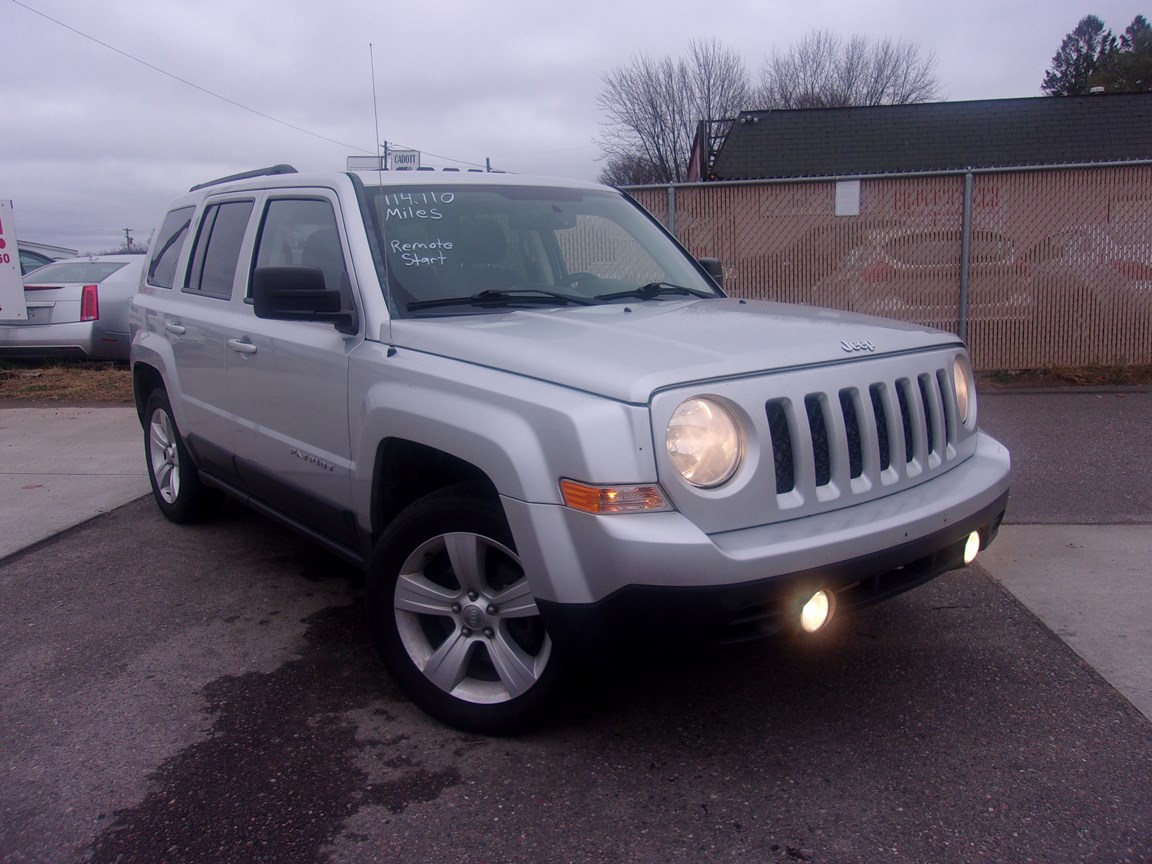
[375, 107]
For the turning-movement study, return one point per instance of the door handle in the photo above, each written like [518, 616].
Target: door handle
[242, 345]
[175, 329]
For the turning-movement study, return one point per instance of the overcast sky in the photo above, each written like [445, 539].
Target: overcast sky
[93, 142]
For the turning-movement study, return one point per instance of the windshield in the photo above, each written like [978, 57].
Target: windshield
[463, 250]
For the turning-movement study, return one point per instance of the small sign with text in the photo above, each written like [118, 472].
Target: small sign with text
[12, 306]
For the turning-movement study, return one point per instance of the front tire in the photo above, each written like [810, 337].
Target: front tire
[453, 617]
[175, 482]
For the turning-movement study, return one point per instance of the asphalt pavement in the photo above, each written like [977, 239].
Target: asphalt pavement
[208, 693]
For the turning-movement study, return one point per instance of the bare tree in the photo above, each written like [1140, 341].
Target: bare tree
[627, 170]
[718, 81]
[653, 106]
[824, 71]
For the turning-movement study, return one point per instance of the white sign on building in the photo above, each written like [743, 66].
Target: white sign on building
[398, 159]
[11, 285]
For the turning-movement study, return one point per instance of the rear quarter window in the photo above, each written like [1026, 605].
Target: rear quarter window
[169, 245]
[29, 261]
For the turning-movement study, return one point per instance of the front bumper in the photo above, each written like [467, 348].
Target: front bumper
[602, 577]
[651, 615]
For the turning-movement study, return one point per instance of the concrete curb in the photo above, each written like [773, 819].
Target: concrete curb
[61, 466]
[1092, 586]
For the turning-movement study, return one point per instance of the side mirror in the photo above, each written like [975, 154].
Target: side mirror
[294, 293]
[713, 268]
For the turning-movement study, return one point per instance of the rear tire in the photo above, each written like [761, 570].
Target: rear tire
[454, 620]
[175, 481]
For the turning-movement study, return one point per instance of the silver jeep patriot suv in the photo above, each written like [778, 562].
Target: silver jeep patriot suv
[540, 425]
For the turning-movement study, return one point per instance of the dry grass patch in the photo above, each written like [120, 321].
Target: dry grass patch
[1064, 376]
[109, 383]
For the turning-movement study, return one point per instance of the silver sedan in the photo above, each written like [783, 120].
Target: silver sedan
[77, 307]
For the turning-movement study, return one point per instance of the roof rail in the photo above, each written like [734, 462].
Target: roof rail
[244, 175]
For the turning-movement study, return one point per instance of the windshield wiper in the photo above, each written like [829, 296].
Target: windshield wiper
[653, 290]
[505, 297]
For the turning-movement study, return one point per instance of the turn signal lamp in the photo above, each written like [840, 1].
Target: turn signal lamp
[613, 499]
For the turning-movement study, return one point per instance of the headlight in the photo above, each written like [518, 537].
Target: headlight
[965, 386]
[703, 442]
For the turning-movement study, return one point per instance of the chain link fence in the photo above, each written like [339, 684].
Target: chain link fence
[1053, 268]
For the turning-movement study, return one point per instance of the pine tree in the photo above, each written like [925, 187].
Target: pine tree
[1081, 52]
[1128, 69]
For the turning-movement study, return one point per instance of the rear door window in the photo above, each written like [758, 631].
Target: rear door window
[216, 254]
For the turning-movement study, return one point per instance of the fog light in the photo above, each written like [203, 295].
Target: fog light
[817, 611]
[972, 547]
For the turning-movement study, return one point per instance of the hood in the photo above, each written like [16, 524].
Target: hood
[627, 352]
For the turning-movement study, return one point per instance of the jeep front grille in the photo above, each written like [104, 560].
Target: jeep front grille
[902, 425]
[826, 437]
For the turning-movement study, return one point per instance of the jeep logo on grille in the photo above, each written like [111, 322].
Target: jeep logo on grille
[861, 345]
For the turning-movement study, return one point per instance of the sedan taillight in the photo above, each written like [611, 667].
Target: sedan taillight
[1134, 270]
[878, 271]
[89, 304]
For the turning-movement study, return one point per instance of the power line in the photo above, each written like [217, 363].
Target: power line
[434, 155]
[232, 102]
[185, 81]
[543, 152]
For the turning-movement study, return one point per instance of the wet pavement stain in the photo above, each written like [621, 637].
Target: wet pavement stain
[279, 774]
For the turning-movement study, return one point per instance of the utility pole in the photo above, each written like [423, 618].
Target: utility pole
[128, 239]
